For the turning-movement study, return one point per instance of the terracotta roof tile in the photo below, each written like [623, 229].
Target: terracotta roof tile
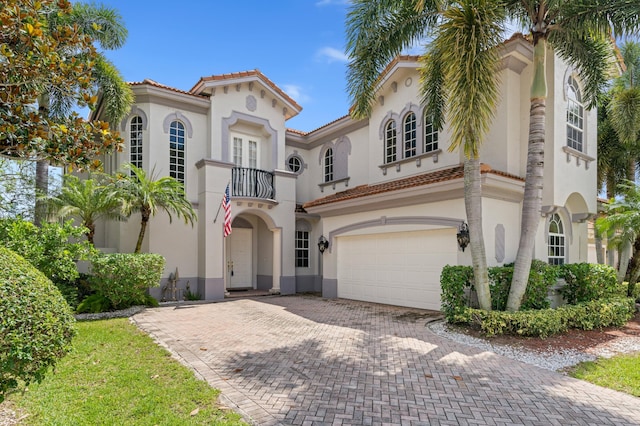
[451, 173]
[242, 74]
[149, 82]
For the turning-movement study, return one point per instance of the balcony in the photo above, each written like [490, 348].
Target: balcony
[252, 183]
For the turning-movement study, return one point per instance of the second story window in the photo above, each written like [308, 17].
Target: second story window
[177, 151]
[328, 165]
[410, 135]
[135, 142]
[430, 134]
[575, 115]
[390, 146]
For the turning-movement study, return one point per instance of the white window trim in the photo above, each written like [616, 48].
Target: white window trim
[180, 176]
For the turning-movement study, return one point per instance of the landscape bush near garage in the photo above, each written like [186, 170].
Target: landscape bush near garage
[593, 297]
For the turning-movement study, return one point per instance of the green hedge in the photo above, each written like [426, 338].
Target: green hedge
[123, 278]
[547, 322]
[456, 281]
[588, 281]
[36, 324]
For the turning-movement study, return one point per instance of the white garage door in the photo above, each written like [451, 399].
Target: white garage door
[400, 268]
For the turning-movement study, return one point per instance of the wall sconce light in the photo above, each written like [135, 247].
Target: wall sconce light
[463, 236]
[323, 244]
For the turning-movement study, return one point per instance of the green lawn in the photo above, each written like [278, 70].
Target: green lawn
[621, 373]
[117, 375]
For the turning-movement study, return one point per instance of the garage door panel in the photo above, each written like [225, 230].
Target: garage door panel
[400, 268]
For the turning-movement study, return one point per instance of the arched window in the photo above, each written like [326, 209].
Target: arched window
[410, 135]
[135, 141]
[176, 150]
[575, 115]
[328, 165]
[430, 134]
[390, 146]
[556, 241]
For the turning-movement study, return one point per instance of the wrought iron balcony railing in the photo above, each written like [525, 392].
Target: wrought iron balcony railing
[252, 183]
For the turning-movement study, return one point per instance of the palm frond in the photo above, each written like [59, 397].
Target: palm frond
[591, 55]
[117, 94]
[102, 23]
[465, 50]
[377, 31]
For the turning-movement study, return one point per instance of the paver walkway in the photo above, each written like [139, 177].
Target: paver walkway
[302, 360]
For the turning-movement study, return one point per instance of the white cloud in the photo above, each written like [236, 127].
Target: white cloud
[332, 55]
[296, 92]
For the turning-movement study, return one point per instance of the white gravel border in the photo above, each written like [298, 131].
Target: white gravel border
[550, 359]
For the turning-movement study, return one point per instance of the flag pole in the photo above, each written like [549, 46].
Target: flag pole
[220, 205]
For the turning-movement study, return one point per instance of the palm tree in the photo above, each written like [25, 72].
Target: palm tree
[147, 194]
[458, 82]
[104, 26]
[579, 32]
[86, 199]
[622, 223]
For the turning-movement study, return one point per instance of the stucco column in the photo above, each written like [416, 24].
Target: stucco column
[277, 259]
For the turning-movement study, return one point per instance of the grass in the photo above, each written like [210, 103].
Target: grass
[621, 372]
[117, 375]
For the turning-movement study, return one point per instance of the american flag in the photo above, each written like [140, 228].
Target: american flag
[226, 204]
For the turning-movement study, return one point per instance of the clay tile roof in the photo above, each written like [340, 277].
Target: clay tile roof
[300, 132]
[150, 82]
[451, 173]
[243, 74]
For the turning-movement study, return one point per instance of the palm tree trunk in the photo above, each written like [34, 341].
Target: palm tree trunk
[599, 249]
[530, 205]
[534, 179]
[473, 207]
[625, 257]
[42, 189]
[91, 233]
[146, 214]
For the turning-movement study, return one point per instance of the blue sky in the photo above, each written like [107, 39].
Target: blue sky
[298, 44]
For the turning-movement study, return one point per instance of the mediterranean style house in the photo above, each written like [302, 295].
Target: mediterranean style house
[359, 209]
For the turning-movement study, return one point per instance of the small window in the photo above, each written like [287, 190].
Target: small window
[253, 154]
[302, 249]
[430, 134]
[556, 241]
[390, 145]
[176, 151]
[328, 165]
[135, 142]
[410, 135]
[294, 164]
[575, 115]
[237, 152]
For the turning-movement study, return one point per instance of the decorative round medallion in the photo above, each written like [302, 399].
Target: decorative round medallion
[252, 104]
[408, 82]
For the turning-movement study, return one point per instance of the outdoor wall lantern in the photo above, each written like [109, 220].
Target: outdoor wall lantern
[463, 236]
[323, 244]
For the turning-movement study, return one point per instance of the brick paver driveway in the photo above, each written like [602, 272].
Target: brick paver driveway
[305, 360]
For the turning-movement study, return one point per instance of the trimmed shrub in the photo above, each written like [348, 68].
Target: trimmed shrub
[588, 281]
[123, 278]
[49, 249]
[546, 322]
[456, 281]
[36, 324]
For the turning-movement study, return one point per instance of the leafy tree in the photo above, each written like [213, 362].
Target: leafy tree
[88, 199]
[148, 194]
[104, 27]
[42, 52]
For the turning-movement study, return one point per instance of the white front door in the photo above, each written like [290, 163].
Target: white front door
[239, 262]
